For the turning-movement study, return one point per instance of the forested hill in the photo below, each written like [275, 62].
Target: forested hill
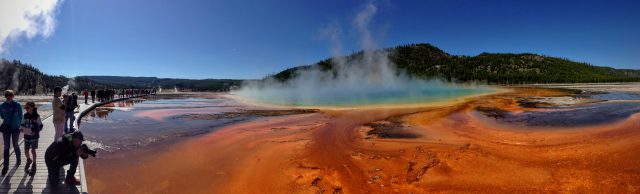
[427, 61]
[28, 80]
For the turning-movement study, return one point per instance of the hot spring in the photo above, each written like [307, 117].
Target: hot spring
[409, 93]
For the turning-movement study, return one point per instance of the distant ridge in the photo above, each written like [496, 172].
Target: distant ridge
[154, 82]
[428, 61]
[28, 80]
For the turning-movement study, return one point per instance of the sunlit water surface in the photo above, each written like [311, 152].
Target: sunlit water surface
[141, 121]
[359, 98]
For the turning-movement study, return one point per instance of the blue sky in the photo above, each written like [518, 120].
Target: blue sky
[250, 39]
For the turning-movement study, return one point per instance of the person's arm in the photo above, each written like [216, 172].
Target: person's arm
[55, 104]
[39, 125]
[59, 104]
[20, 112]
[23, 123]
[1, 112]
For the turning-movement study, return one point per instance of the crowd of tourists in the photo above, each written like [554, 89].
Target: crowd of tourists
[104, 95]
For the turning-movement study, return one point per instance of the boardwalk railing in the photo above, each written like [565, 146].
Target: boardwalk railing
[79, 121]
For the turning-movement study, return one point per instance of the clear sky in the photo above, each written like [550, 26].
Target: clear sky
[250, 39]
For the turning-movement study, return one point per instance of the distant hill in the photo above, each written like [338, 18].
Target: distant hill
[26, 79]
[83, 82]
[427, 61]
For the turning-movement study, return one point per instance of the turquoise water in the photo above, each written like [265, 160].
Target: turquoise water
[376, 97]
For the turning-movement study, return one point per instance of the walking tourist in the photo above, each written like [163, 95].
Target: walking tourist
[11, 113]
[31, 127]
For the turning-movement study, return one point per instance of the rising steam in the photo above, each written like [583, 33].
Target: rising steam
[368, 77]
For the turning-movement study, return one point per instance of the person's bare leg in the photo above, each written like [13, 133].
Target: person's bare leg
[28, 155]
[29, 160]
[33, 167]
[33, 152]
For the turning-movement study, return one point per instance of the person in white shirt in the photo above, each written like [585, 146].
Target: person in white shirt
[58, 113]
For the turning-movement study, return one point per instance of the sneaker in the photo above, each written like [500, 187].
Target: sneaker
[72, 181]
[26, 167]
[5, 169]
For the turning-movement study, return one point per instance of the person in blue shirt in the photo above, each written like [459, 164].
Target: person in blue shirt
[11, 114]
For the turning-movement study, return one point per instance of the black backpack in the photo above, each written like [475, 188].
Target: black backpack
[73, 103]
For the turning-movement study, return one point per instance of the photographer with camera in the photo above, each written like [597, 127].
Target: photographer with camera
[66, 152]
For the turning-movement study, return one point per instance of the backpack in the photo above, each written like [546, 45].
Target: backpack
[73, 103]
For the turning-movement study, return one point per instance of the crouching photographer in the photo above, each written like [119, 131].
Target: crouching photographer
[66, 151]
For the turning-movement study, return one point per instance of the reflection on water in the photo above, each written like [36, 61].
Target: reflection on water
[142, 121]
[617, 96]
[616, 106]
[577, 116]
[105, 110]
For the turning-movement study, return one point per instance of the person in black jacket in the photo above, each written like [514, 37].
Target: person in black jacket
[71, 103]
[31, 127]
[66, 151]
[93, 96]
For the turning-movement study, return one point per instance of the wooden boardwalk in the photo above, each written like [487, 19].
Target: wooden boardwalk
[17, 181]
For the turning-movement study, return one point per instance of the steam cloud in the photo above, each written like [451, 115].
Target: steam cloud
[368, 78]
[28, 18]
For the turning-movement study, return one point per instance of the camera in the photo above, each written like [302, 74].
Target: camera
[88, 150]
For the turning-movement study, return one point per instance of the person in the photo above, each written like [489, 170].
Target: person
[64, 152]
[31, 127]
[71, 103]
[11, 113]
[93, 96]
[85, 93]
[58, 113]
[100, 94]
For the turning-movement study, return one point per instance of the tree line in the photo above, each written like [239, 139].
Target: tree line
[427, 61]
[28, 80]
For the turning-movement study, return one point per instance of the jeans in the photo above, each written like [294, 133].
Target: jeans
[71, 117]
[9, 138]
[53, 169]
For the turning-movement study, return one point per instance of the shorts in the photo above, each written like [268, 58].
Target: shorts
[30, 144]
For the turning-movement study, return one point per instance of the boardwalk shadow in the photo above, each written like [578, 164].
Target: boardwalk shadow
[60, 187]
[26, 188]
[6, 180]
[25, 185]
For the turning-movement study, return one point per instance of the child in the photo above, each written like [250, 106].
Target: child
[31, 127]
